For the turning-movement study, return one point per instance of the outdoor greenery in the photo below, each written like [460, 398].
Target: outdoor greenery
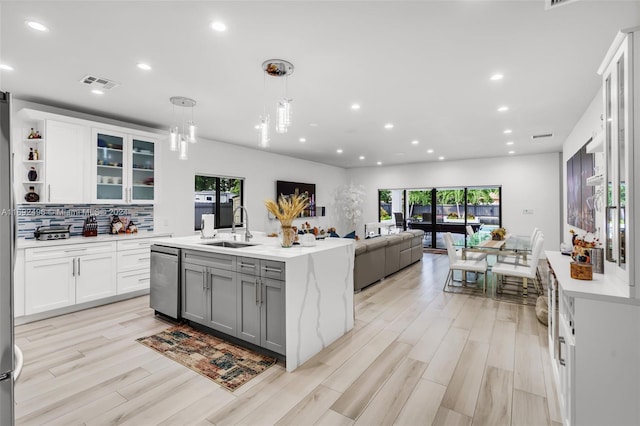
[208, 183]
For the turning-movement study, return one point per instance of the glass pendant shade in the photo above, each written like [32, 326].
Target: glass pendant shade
[286, 105]
[183, 148]
[173, 138]
[281, 127]
[264, 131]
[192, 132]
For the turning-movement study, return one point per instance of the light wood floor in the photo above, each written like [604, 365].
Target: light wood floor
[417, 356]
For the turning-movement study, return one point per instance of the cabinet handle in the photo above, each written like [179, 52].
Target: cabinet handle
[204, 278]
[247, 265]
[268, 269]
[144, 258]
[260, 291]
[256, 289]
[560, 359]
[72, 250]
[78, 266]
[49, 192]
[73, 273]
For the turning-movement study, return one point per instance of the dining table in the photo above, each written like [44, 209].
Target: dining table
[516, 247]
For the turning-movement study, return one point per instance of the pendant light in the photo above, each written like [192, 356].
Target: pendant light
[277, 68]
[181, 135]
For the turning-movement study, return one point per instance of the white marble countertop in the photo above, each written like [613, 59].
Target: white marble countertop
[22, 243]
[264, 247]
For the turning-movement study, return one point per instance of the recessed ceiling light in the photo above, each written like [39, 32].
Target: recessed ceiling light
[218, 26]
[302, 140]
[388, 126]
[313, 124]
[512, 152]
[429, 151]
[257, 127]
[6, 67]
[36, 26]
[496, 77]
[379, 163]
[440, 158]
[143, 66]
[361, 157]
[503, 108]
[339, 151]
[355, 107]
[507, 131]
[510, 143]
[415, 142]
[97, 92]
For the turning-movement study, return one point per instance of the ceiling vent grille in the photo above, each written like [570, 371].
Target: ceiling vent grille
[549, 4]
[538, 138]
[99, 82]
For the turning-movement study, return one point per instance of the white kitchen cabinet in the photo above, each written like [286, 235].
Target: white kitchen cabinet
[134, 263]
[124, 167]
[95, 276]
[60, 276]
[66, 162]
[595, 352]
[49, 284]
[621, 98]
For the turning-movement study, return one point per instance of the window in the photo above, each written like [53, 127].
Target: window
[220, 196]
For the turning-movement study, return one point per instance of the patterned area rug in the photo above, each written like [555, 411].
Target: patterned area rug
[226, 364]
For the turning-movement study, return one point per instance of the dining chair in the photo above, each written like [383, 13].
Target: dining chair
[456, 263]
[399, 217]
[470, 231]
[517, 269]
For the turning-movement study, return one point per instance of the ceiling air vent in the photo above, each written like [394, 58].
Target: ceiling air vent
[548, 4]
[99, 82]
[538, 138]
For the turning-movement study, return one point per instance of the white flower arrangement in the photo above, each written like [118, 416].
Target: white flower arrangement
[349, 200]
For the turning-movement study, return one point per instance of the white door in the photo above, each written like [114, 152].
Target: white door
[95, 276]
[49, 284]
[67, 161]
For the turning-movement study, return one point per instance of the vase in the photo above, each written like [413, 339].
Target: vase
[32, 175]
[288, 236]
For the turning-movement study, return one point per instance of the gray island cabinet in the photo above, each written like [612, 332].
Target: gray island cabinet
[293, 301]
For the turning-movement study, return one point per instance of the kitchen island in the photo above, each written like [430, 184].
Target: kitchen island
[317, 282]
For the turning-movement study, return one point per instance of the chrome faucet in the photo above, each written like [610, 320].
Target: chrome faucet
[247, 234]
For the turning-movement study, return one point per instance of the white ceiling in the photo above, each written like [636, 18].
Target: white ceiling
[423, 66]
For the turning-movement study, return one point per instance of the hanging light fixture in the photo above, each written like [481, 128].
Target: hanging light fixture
[181, 135]
[277, 68]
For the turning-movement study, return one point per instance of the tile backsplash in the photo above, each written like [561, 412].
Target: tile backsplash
[31, 216]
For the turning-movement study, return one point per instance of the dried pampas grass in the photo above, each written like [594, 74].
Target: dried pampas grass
[287, 208]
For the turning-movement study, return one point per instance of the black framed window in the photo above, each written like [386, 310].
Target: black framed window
[218, 195]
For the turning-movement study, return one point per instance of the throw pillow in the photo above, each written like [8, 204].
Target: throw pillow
[351, 234]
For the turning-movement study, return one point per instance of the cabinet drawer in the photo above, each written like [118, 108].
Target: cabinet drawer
[249, 266]
[54, 252]
[134, 260]
[215, 260]
[272, 269]
[135, 244]
[132, 281]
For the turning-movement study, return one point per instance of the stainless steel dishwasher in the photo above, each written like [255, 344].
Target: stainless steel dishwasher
[165, 280]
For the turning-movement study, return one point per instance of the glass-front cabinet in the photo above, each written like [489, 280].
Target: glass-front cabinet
[618, 124]
[125, 168]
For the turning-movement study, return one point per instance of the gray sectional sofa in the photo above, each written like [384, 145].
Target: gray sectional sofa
[382, 256]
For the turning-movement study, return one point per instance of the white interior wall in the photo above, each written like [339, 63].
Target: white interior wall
[174, 210]
[529, 182]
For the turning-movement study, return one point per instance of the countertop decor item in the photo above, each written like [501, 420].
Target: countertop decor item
[31, 196]
[498, 234]
[286, 210]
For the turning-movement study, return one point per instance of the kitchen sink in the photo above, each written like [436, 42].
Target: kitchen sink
[228, 244]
